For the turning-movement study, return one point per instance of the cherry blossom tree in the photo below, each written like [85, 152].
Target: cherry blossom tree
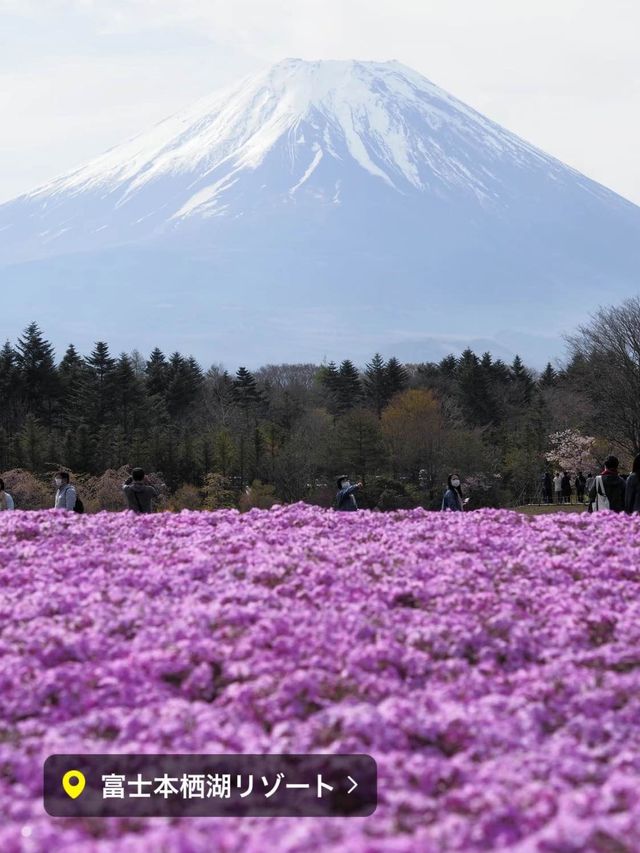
[571, 451]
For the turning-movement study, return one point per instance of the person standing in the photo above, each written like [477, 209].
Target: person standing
[557, 487]
[453, 499]
[139, 493]
[66, 494]
[632, 488]
[581, 484]
[346, 498]
[608, 489]
[547, 487]
[566, 488]
[6, 501]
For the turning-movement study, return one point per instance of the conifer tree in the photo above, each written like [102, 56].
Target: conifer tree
[99, 385]
[183, 383]
[38, 376]
[5, 450]
[33, 441]
[349, 387]
[397, 378]
[156, 370]
[376, 385]
[72, 374]
[224, 453]
[245, 388]
[126, 391]
[84, 448]
[549, 377]
[473, 388]
[9, 386]
[522, 381]
[329, 379]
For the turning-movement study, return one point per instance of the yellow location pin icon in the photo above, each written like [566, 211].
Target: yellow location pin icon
[73, 783]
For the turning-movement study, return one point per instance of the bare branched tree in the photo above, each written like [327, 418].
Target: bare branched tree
[606, 363]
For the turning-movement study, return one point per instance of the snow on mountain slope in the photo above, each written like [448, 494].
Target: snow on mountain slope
[383, 113]
[316, 191]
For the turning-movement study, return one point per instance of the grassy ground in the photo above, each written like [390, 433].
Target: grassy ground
[545, 509]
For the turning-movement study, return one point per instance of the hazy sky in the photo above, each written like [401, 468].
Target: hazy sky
[77, 76]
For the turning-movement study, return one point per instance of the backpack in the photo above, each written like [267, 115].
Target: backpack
[78, 505]
[601, 501]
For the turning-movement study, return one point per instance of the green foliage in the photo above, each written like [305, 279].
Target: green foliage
[257, 496]
[217, 493]
[386, 494]
[286, 429]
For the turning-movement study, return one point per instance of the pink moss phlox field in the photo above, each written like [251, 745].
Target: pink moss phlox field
[489, 662]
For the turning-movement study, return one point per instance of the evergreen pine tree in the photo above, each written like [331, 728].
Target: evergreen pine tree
[258, 452]
[38, 375]
[224, 453]
[99, 385]
[349, 387]
[449, 366]
[69, 450]
[396, 377]
[183, 383]
[375, 384]
[329, 379]
[5, 451]
[126, 393]
[156, 370]
[33, 441]
[9, 387]
[84, 449]
[473, 390]
[549, 377]
[522, 381]
[486, 363]
[246, 393]
[72, 373]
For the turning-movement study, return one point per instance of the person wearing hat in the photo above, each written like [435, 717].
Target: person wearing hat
[608, 489]
[346, 499]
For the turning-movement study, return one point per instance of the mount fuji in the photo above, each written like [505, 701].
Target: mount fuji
[319, 209]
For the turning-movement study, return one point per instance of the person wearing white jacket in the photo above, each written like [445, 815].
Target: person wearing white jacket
[65, 493]
[6, 501]
[557, 487]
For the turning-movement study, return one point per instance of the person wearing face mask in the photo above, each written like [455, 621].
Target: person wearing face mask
[453, 501]
[6, 501]
[66, 494]
[346, 499]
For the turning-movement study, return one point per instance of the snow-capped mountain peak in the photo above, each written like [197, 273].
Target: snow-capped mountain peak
[389, 120]
[313, 196]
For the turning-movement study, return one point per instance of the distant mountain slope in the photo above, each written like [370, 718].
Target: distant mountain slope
[318, 208]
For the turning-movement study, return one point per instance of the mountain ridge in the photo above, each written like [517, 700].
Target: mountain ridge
[339, 185]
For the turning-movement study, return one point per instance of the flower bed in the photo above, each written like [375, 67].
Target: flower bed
[489, 662]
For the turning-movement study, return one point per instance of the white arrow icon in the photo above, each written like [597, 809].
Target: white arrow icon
[354, 786]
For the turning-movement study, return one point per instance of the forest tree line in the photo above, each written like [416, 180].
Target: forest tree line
[288, 430]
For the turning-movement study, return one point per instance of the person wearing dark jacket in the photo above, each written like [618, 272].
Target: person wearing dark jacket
[580, 484]
[566, 488]
[547, 488]
[346, 498]
[632, 489]
[453, 500]
[613, 485]
[140, 495]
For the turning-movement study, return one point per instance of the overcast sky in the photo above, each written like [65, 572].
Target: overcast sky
[77, 76]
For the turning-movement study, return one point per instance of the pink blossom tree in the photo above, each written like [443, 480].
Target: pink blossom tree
[570, 450]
